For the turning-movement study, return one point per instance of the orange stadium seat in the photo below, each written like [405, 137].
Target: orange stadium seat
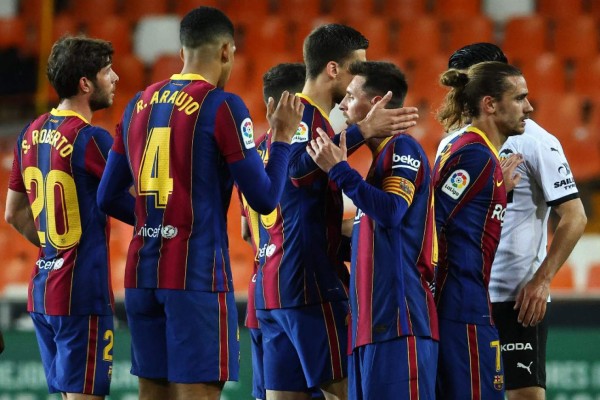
[182, 7]
[165, 66]
[351, 12]
[560, 9]
[31, 11]
[133, 10]
[299, 10]
[116, 30]
[466, 30]
[64, 24]
[586, 77]
[427, 30]
[593, 278]
[424, 78]
[12, 33]
[132, 74]
[269, 36]
[576, 38]
[563, 280]
[86, 11]
[299, 32]
[525, 37]
[404, 10]
[238, 80]
[457, 8]
[241, 12]
[545, 76]
[377, 30]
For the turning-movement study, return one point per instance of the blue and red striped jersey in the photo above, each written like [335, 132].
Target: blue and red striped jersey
[393, 261]
[59, 160]
[299, 250]
[470, 202]
[180, 137]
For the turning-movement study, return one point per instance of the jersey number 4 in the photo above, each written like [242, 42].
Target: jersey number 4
[154, 175]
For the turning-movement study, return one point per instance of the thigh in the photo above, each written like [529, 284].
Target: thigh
[256, 346]
[147, 324]
[45, 339]
[201, 336]
[400, 368]
[84, 357]
[523, 349]
[470, 364]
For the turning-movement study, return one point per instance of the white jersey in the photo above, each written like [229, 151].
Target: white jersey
[546, 180]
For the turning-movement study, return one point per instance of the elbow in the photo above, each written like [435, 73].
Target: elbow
[102, 202]
[10, 217]
[265, 208]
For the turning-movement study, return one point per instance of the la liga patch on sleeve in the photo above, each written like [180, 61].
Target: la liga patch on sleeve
[456, 184]
[301, 134]
[247, 130]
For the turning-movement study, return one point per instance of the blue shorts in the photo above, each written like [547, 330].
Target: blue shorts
[183, 336]
[76, 352]
[470, 364]
[304, 346]
[402, 368]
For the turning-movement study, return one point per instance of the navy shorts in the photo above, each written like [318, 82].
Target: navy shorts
[401, 368]
[304, 346]
[470, 364]
[183, 336]
[76, 352]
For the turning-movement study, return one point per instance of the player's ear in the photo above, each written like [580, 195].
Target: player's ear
[181, 54]
[376, 100]
[488, 104]
[333, 69]
[227, 49]
[85, 85]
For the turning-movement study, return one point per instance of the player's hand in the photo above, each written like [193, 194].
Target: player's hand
[383, 122]
[285, 118]
[509, 165]
[531, 301]
[325, 153]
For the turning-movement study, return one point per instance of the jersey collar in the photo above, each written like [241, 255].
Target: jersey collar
[312, 103]
[382, 144]
[68, 113]
[484, 137]
[187, 77]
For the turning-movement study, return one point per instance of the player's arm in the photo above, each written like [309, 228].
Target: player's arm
[114, 197]
[386, 208]
[18, 214]
[18, 210]
[532, 298]
[262, 186]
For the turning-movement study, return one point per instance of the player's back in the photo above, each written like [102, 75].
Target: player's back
[61, 159]
[178, 136]
[300, 240]
[470, 205]
[392, 266]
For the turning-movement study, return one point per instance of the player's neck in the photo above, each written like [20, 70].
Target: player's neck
[77, 104]
[491, 130]
[319, 92]
[373, 145]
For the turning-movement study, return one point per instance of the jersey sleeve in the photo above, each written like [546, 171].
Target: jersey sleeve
[552, 173]
[96, 152]
[234, 131]
[463, 175]
[15, 182]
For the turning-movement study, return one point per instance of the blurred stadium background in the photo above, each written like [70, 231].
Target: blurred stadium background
[554, 42]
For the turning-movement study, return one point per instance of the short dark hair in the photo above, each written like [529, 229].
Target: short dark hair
[381, 77]
[475, 53]
[285, 76]
[331, 42]
[75, 57]
[204, 25]
[468, 88]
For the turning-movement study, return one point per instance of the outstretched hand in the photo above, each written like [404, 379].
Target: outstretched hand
[285, 117]
[383, 122]
[509, 165]
[325, 153]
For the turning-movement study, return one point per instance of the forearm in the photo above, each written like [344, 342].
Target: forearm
[18, 214]
[387, 209]
[114, 197]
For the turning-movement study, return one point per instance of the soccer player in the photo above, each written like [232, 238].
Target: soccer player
[522, 270]
[182, 142]
[394, 321]
[470, 202]
[282, 77]
[301, 300]
[51, 201]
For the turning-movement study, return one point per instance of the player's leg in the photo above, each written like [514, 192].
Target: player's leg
[202, 341]
[283, 375]
[258, 380]
[44, 333]
[146, 319]
[523, 353]
[470, 364]
[84, 346]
